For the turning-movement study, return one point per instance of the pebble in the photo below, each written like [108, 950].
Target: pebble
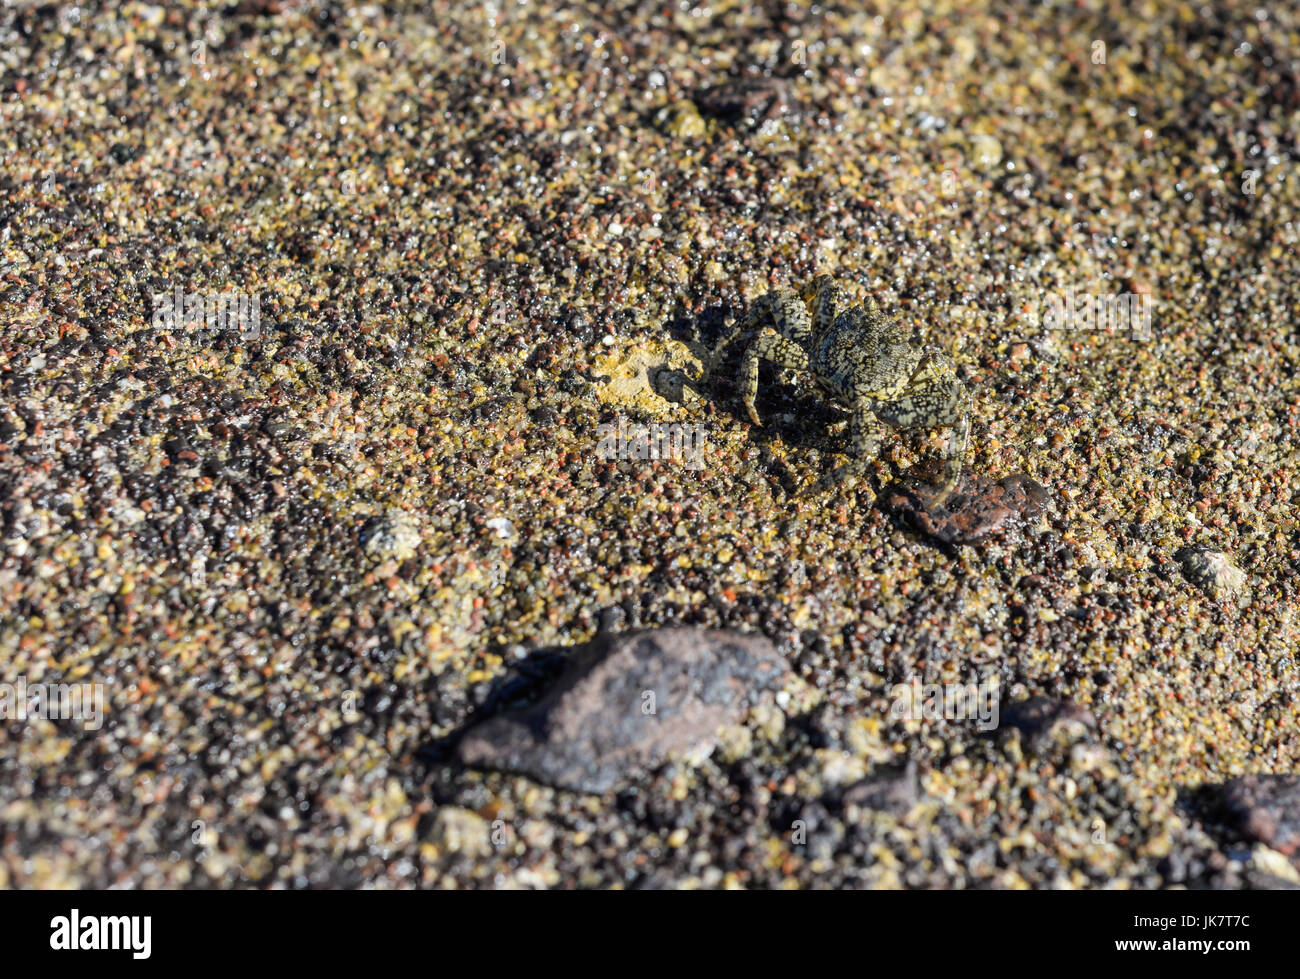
[458, 830]
[395, 534]
[892, 790]
[977, 507]
[501, 526]
[984, 151]
[749, 99]
[1266, 808]
[1042, 720]
[630, 701]
[682, 120]
[1211, 571]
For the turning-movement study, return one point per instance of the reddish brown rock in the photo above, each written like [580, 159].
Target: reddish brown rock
[976, 508]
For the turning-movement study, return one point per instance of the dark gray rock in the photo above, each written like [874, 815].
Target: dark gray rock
[749, 100]
[892, 790]
[1040, 720]
[629, 701]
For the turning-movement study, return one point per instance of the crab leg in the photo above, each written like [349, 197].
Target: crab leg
[864, 433]
[768, 345]
[788, 313]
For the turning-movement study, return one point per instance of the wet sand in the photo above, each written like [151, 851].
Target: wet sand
[301, 555]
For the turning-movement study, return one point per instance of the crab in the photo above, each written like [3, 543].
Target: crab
[861, 360]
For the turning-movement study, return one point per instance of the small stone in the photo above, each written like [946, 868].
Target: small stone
[975, 509]
[501, 526]
[395, 534]
[457, 830]
[681, 120]
[1274, 864]
[734, 742]
[984, 151]
[1211, 571]
[751, 100]
[1019, 351]
[628, 702]
[1041, 720]
[124, 152]
[1266, 808]
[892, 790]
[1045, 347]
[768, 720]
